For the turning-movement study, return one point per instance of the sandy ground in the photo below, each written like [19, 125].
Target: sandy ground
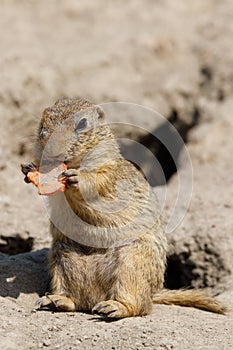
[172, 56]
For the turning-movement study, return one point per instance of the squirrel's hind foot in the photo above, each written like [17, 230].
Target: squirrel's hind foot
[59, 302]
[111, 309]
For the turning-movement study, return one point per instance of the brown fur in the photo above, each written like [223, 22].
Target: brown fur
[118, 276]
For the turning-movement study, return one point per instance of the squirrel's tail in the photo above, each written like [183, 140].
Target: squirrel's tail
[190, 298]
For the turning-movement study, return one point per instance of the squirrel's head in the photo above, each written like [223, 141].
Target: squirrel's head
[70, 130]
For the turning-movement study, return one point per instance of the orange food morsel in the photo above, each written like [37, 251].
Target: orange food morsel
[46, 179]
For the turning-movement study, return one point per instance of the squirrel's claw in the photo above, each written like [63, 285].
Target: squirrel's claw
[70, 177]
[25, 168]
[59, 302]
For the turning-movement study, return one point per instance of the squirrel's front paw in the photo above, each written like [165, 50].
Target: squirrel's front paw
[71, 177]
[26, 168]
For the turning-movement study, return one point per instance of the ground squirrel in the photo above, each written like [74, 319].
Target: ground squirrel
[121, 272]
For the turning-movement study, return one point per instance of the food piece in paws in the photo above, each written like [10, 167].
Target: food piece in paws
[46, 179]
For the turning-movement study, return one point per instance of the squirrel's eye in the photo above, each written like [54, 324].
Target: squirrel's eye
[81, 125]
[43, 133]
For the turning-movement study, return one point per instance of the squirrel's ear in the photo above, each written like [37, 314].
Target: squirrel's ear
[101, 114]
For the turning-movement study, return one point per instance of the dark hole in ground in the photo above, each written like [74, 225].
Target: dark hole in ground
[165, 159]
[163, 147]
[16, 244]
[179, 273]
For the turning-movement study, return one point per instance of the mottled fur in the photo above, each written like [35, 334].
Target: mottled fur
[117, 276]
